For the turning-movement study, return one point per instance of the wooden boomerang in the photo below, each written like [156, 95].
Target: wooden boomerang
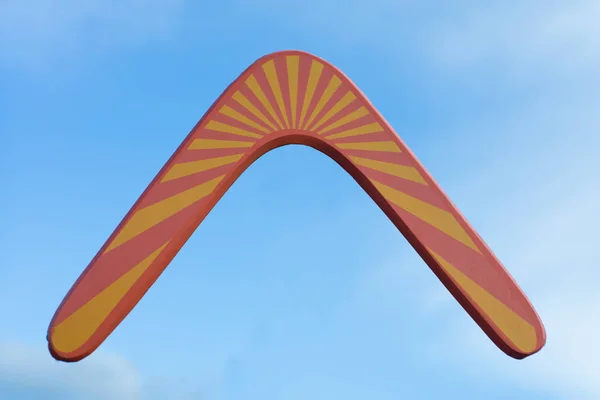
[284, 98]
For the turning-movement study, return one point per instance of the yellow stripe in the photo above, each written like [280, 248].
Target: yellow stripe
[434, 216]
[212, 144]
[152, 215]
[78, 327]
[361, 130]
[230, 112]
[401, 171]
[332, 86]
[519, 331]
[189, 168]
[247, 104]
[313, 79]
[386, 146]
[339, 106]
[271, 73]
[292, 68]
[260, 95]
[234, 130]
[353, 116]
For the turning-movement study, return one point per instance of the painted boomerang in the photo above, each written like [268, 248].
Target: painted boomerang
[284, 98]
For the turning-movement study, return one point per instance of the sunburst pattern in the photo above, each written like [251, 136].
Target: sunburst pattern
[281, 98]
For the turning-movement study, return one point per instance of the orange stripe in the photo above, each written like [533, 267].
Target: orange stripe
[271, 74]
[385, 146]
[337, 107]
[441, 219]
[260, 95]
[189, 168]
[332, 86]
[518, 331]
[361, 130]
[234, 130]
[316, 68]
[231, 113]
[147, 217]
[211, 144]
[293, 63]
[247, 104]
[401, 171]
[78, 327]
[353, 116]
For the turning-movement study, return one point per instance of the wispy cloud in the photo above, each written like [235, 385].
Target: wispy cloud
[546, 35]
[543, 226]
[28, 369]
[558, 268]
[37, 33]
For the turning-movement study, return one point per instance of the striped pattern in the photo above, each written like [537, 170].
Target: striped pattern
[280, 95]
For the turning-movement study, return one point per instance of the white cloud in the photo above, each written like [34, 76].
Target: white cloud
[547, 35]
[101, 376]
[38, 33]
[29, 371]
[543, 36]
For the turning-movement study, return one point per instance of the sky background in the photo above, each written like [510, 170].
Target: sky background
[296, 286]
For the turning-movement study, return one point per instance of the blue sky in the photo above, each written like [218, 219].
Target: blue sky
[500, 102]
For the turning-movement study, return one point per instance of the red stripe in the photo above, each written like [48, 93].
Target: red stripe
[422, 192]
[114, 264]
[366, 120]
[245, 90]
[340, 92]
[234, 122]
[394, 158]
[303, 75]
[355, 105]
[282, 77]
[319, 90]
[261, 78]
[195, 155]
[383, 136]
[216, 135]
[164, 190]
[242, 110]
[474, 265]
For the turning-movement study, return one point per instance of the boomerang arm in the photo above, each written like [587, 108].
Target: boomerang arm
[444, 239]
